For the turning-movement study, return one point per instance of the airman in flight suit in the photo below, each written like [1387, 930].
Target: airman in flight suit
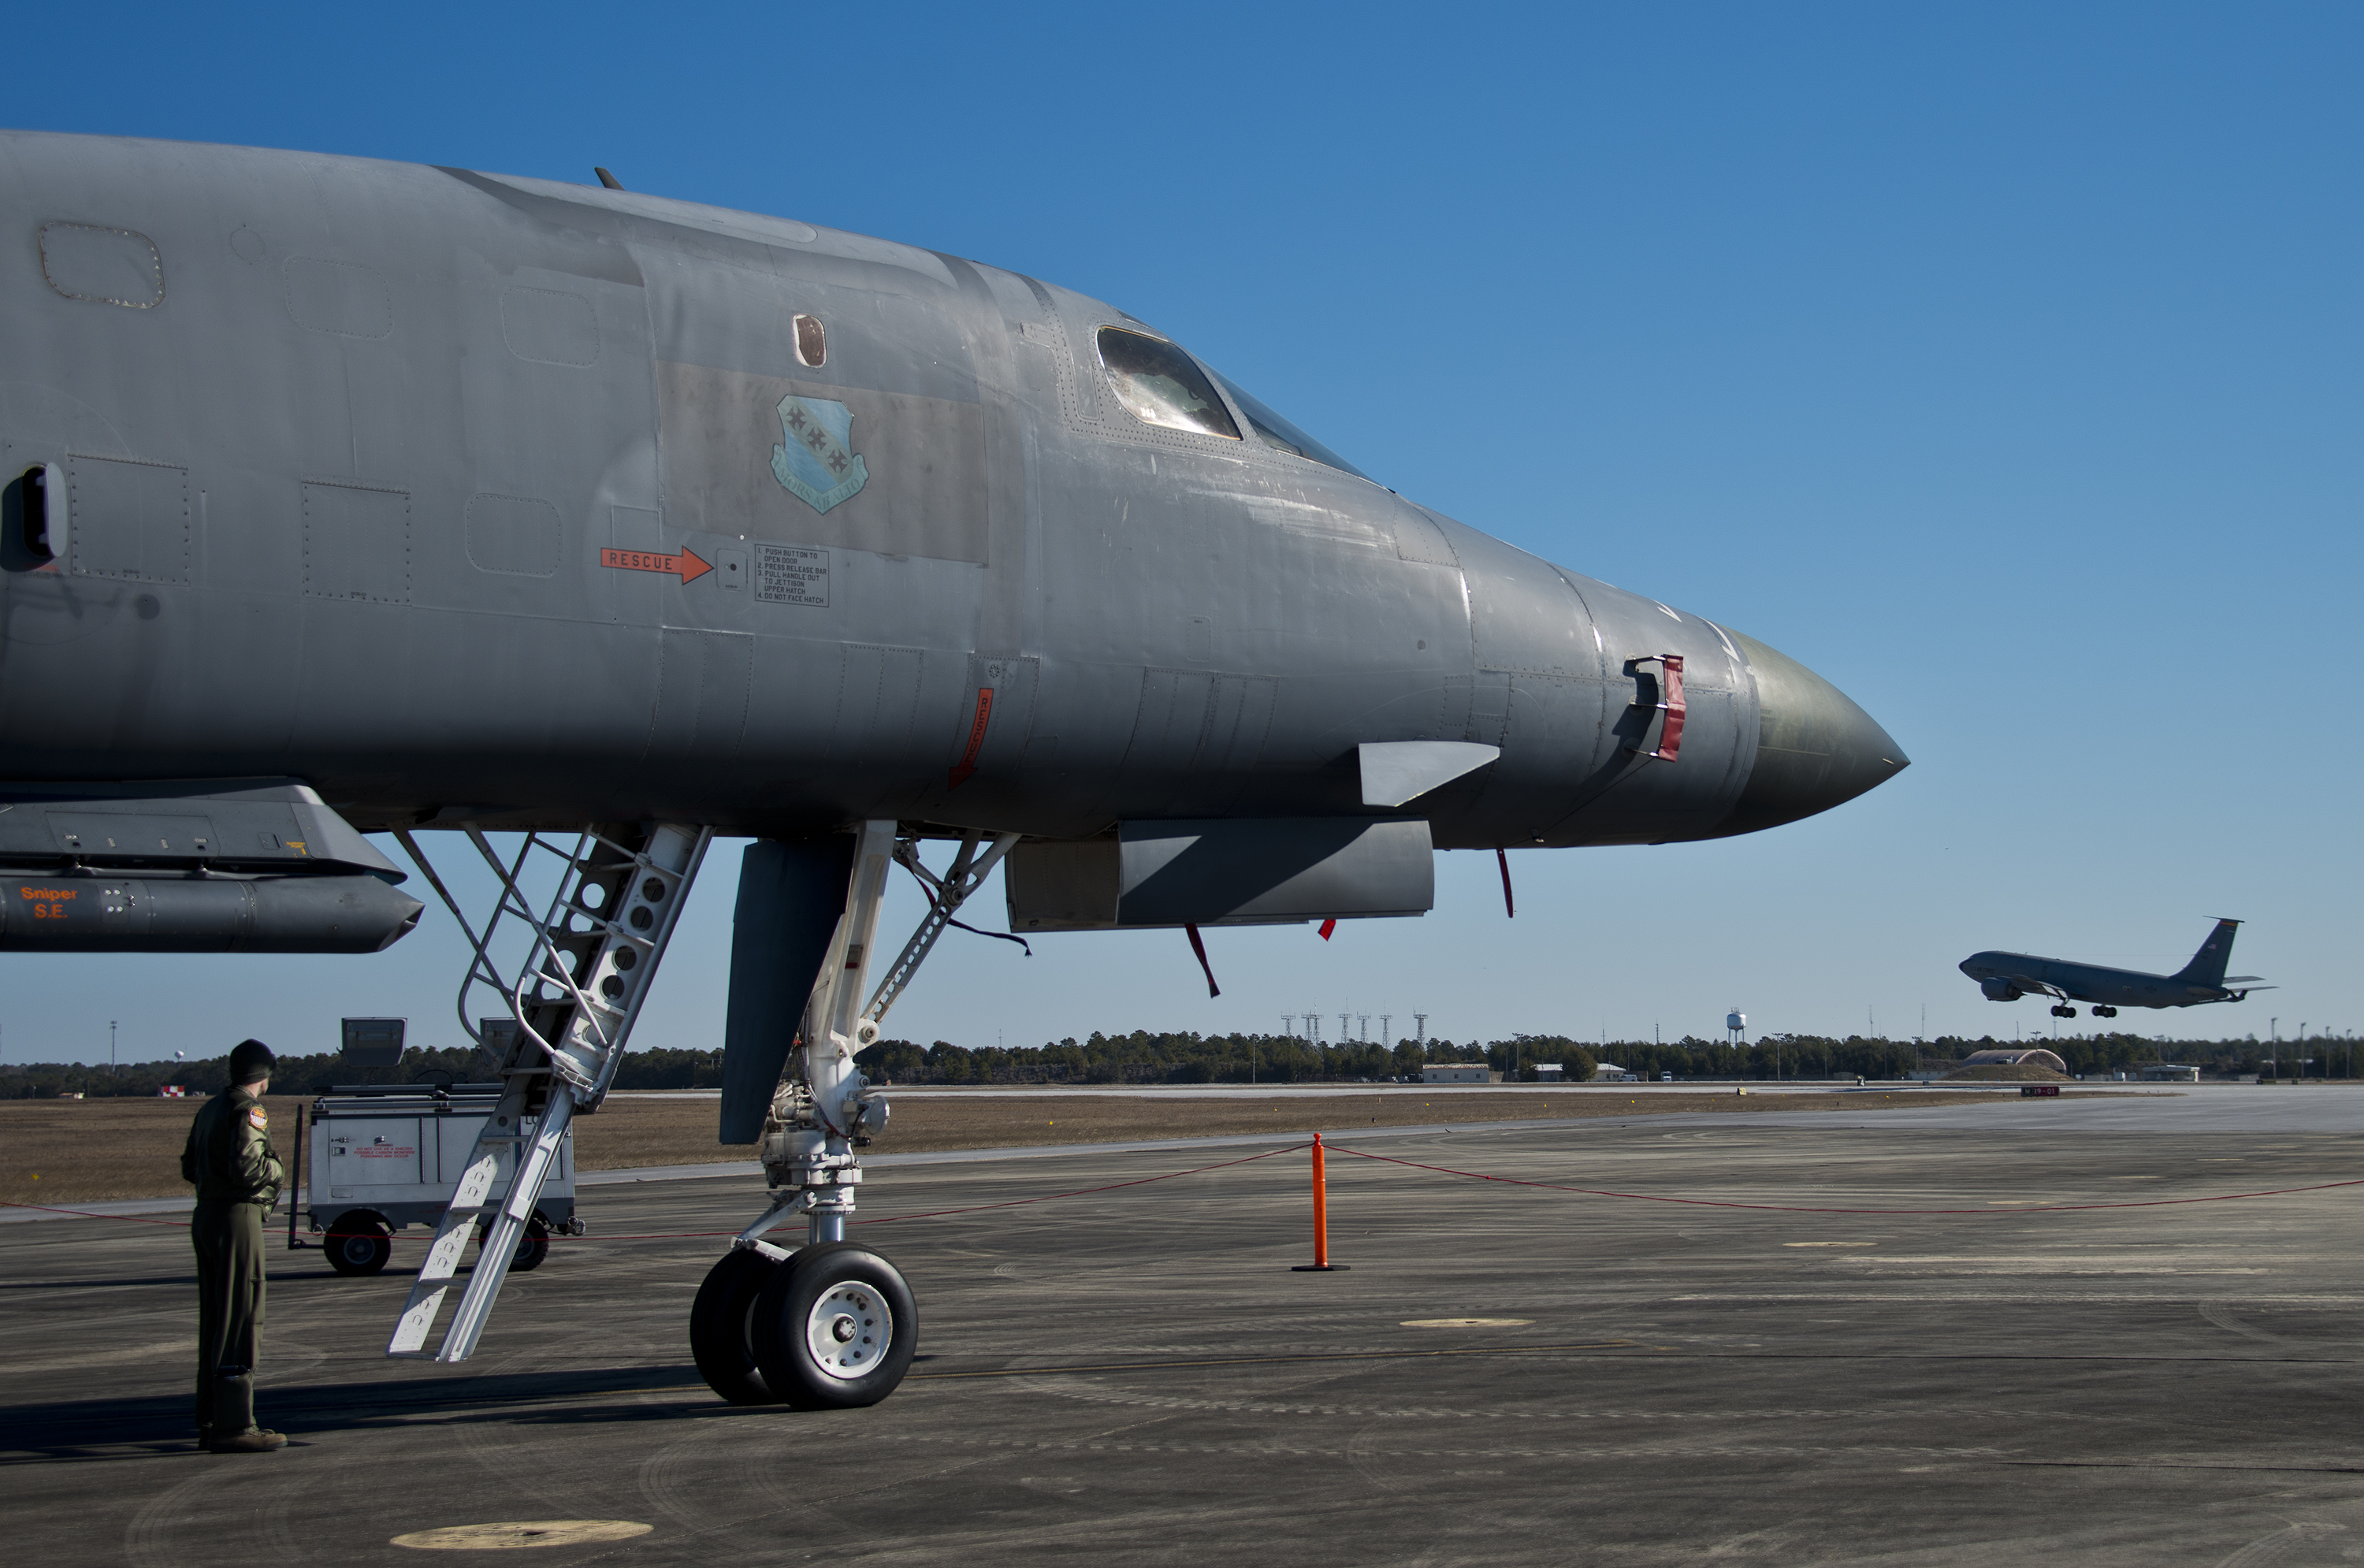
[238, 1177]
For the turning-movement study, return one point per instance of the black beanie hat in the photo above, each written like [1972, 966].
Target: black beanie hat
[251, 1060]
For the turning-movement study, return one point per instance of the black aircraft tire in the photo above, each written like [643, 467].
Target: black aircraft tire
[847, 1298]
[357, 1246]
[718, 1325]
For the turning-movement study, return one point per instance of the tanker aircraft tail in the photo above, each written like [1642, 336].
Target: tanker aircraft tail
[2207, 965]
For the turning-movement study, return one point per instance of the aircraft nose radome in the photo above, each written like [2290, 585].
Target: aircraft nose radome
[1814, 748]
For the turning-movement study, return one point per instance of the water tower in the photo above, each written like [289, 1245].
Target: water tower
[1735, 1028]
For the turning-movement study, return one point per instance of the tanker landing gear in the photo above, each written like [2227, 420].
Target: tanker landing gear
[2105, 1012]
[2059, 1012]
[830, 1325]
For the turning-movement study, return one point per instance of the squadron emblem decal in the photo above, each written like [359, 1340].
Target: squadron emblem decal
[815, 462]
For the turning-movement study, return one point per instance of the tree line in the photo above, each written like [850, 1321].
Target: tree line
[1145, 1057]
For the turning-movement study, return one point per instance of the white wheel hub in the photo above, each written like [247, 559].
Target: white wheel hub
[848, 1330]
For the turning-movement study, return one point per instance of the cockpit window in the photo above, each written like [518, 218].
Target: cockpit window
[1276, 431]
[1160, 384]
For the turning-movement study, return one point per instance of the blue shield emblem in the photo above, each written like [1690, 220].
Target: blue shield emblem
[816, 461]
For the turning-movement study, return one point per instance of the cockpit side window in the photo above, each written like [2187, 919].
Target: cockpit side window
[1159, 384]
[1278, 432]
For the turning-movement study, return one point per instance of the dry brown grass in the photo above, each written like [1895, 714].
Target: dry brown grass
[67, 1152]
[86, 1150]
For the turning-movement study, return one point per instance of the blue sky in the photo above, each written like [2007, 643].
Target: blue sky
[2000, 362]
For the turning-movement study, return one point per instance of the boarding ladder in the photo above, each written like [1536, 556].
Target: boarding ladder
[590, 954]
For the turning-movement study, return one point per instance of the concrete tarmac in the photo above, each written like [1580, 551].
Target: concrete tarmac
[1508, 1374]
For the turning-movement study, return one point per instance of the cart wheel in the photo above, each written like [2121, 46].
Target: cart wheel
[532, 1247]
[834, 1329]
[718, 1339]
[357, 1245]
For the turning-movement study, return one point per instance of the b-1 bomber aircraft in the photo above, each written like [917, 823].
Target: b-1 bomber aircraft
[347, 498]
[2008, 976]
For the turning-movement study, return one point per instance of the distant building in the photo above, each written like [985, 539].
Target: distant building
[1458, 1073]
[1610, 1073]
[2169, 1072]
[2022, 1058]
[1550, 1072]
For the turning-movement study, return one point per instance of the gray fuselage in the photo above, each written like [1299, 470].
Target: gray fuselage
[374, 471]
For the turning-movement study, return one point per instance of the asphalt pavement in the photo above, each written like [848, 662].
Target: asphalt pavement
[2039, 1331]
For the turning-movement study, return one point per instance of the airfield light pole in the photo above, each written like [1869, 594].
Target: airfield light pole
[113, 1085]
[1288, 1025]
[1420, 1028]
[1386, 1027]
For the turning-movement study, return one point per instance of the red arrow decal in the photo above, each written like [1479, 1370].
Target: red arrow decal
[962, 773]
[689, 562]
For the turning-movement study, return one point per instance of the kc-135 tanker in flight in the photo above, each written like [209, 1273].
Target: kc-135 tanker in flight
[349, 497]
[2008, 976]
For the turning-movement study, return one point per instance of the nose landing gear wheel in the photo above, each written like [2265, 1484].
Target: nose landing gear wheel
[834, 1329]
[719, 1324]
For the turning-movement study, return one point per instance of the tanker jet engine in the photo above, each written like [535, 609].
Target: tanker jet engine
[2008, 976]
[347, 498]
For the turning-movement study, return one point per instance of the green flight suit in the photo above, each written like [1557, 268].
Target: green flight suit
[238, 1177]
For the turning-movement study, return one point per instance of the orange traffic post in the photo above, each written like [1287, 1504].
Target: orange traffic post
[1320, 1263]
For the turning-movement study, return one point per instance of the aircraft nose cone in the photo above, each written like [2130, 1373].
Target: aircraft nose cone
[1814, 748]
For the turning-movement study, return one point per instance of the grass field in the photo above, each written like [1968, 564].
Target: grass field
[66, 1152]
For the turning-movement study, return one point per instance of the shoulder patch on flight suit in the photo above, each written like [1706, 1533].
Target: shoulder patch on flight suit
[256, 1120]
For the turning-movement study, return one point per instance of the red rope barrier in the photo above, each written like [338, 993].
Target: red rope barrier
[1990, 1212]
[693, 1235]
[1993, 1211]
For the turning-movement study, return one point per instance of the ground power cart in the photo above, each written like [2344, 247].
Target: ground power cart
[382, 1157]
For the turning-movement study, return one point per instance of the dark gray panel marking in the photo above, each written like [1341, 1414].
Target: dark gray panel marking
[549, 327]
[877, 701]
[514, 535]
[131, 520]
[1190, 721]
[702, 683]
[356, 542]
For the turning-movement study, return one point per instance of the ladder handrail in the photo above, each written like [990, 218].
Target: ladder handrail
[577, 1079]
